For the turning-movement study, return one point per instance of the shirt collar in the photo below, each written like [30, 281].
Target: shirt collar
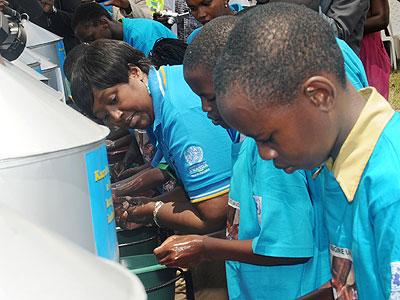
[360, 143]
[157, 81]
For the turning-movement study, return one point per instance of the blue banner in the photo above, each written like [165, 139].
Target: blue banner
[103, 217]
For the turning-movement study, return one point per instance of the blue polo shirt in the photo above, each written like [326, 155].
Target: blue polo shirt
[277, 214]
[199, 152]
[353, 66]
[362, 205]
[141, 34]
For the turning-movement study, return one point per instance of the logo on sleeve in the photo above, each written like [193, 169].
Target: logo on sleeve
[194, 158]
[395, 283]
[258, 200]
[193, 155]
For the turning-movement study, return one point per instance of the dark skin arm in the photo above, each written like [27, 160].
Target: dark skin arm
[188, 251]
[325, 292]
[141, 182]
[378, 16]
[180, 215]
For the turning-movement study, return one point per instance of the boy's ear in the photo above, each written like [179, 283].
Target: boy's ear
[321, 92]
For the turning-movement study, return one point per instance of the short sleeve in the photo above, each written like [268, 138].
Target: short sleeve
[386, 224]
[201, 155]
[285, 213]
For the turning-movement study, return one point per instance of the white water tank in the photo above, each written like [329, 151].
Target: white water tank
[53, 164]
[36, 264]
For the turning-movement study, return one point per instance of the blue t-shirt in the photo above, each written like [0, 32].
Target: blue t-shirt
[199, 152]
[236, 7]
[353, 66]
[276, 212]
[143, 33]
[365, 234]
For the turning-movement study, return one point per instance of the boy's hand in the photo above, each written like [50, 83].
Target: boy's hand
[182, 251]
[122, 205]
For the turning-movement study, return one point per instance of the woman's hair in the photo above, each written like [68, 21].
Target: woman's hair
[105, 63]
[73, 58]
[167, 51]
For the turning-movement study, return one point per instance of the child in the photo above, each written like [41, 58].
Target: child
[308, 113]
[271, 235]
[92, 22]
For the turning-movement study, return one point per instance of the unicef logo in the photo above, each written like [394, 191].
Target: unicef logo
[193, 155]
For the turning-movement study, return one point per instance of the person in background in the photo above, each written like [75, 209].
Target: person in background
[347, 19]
[52, 15]
[373, 54]
[125, 9]
[312, 115]
[186, 25]
[92, 22]
[270, 231]
[206, 10]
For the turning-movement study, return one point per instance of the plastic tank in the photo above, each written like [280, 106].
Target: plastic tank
[44, 42]
[51, 47]
[53, 164]
[36, 264]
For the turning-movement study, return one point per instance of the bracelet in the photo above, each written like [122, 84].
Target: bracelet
[157, 207]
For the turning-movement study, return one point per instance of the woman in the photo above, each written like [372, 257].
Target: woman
[124, 89]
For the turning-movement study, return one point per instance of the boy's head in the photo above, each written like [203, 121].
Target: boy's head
[278, 81]
[200, 59]
[312, 4]
[91, 22]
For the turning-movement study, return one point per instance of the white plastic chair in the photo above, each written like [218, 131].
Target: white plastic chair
[389, 38]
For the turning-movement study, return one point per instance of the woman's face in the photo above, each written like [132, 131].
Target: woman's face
[206, 10]
[126, 105]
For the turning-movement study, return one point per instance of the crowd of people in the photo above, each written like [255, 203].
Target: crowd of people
[263, 139]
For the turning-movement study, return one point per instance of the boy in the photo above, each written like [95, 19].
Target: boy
[276, 238]
[308, 113]
[91, 22]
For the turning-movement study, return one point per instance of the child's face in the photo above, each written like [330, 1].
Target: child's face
[295, 136]
[200, 81]
[127, 105]
[206, 10]
[90, 33]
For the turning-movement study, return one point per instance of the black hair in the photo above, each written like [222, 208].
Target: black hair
[73, 58]
[312, 4]
[167, 51]
[81, 91]
[209, 43]
[88, 14]
[273, 49]
[105, 63]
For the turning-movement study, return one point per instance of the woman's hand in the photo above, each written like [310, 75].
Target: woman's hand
[182, 251]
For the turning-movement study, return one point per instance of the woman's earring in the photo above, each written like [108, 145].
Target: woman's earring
[148, 89]
[226, 4]
[147, 86]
